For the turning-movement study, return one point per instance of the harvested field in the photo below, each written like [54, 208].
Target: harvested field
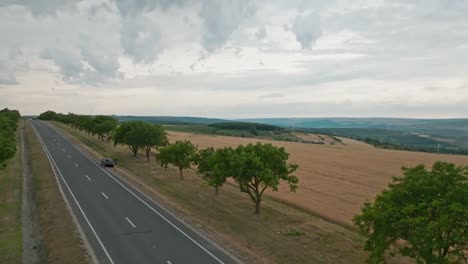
[334, 180]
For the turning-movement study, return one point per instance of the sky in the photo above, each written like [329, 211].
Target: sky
[236, 58]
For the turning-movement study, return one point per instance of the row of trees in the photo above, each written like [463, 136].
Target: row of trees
[255, 168]
[8, 126]
[100, 125]
[140, 135]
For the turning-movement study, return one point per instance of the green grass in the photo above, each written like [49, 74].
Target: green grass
[281, 234]
[11, 180]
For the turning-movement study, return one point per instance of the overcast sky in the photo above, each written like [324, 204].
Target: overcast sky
[237, 58]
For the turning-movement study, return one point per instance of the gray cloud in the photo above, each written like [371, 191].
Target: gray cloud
[140, 39]
[377, 46]
[307, 29]
[222, 18]
[261, 33]
[41, 8]
[7, 75]
[271, 95]
[133, 8]
[90, 63]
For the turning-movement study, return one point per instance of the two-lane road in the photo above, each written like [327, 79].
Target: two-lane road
[120, 224]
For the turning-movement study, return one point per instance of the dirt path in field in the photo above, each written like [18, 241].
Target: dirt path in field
[334, 180]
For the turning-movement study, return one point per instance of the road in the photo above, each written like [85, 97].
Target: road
[118, 222]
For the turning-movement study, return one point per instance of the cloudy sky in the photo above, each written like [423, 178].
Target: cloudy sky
[236, 58]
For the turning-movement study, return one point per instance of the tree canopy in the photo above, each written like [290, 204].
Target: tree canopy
[212, 164]
[8, 125]
[259, 167]
[422, 215]
[154, 137]
[102, 126]
[180, 154]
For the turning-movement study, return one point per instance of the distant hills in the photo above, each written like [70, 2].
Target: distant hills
[429, 135]
[171, 120]
[453, 132]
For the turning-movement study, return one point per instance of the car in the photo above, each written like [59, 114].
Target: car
[108, 162]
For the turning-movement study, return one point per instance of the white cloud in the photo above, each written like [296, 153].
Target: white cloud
[236, 57]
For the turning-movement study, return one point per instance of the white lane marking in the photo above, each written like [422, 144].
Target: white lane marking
[128, 220]
[89, 179]
[141, 200]
[76, 164]
[105, 196]
[168, 262]
[64, 150]
[54, 165]
[69, 156]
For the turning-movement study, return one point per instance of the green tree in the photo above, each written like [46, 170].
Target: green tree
[131, 134]
[259, 167]
[422, 215]
[213, 166]
[155, 137]
[163, 157]
[102, 126]
[180, 154]
[8, 125]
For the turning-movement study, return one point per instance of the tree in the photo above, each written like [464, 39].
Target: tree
[259, 167]
[422, 215]
[103, 127]
[155, 137]
[163, 157]
[131, 134]
[180, 154]
[213, 166]
[8, 125]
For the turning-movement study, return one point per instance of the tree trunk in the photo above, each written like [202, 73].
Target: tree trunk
[181, 173]
[148, 152]
[134, 150]
[216, 190]
[257, 206]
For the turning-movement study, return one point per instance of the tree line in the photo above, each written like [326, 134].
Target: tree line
[255, 168]
[8, 126]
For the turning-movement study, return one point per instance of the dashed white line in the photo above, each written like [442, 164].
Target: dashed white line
[105, 196]
[76, 164]
[89, 179]
[69, 156]
[55, 169]
[168, 262]
[130, 222]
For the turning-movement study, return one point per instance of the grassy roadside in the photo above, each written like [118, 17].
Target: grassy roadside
[60, 241]
[11, 180]
[281, 234]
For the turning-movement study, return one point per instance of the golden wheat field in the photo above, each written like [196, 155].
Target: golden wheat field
[334, 180]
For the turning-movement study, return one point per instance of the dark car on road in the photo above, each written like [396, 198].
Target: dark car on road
[107, 162]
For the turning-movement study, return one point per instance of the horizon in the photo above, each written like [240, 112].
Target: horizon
[253, 118]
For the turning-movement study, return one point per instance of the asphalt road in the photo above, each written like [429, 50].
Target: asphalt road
[119, 223]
